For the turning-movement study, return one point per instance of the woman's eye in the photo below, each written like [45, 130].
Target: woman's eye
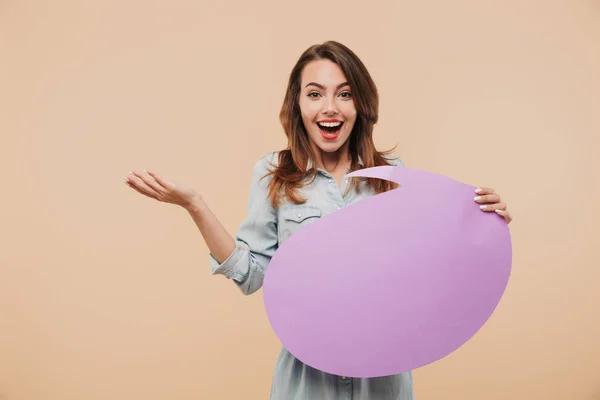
[317, 94]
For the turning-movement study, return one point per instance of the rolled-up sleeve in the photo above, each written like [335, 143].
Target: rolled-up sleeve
[256, 238]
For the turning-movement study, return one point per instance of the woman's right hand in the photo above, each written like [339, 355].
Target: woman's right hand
[151, 185]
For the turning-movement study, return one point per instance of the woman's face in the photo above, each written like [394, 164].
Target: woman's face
[326, 105]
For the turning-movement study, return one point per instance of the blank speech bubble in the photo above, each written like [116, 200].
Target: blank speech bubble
[391, 283]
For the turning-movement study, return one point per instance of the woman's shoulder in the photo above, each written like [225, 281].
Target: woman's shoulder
[394, 160]
[267, 162]
[270, 160]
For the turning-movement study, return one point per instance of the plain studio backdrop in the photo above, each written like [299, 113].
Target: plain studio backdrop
[107, 294]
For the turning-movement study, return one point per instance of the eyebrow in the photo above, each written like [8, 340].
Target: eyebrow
[323, 87]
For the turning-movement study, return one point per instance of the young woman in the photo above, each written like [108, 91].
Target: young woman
[328, 114]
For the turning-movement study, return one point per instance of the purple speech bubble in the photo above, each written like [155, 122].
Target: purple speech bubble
[390, 283]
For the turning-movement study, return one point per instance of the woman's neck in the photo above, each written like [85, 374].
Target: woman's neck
[334, 161]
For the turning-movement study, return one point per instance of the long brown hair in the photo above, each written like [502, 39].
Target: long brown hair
[290, 173]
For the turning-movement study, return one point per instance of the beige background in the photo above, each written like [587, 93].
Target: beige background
[106, 294]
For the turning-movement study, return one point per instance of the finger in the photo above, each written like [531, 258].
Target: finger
[493, 207]
[150, 181]
[165, 184]
[505, 214]
[131, 185]
[484, 190]
[487, 199]
[140, 184]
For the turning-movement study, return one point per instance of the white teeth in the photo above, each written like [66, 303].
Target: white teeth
[329, 124]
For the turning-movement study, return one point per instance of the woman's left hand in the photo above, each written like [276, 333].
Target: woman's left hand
[491, 202]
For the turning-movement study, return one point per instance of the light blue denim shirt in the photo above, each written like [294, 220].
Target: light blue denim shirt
[257, 239]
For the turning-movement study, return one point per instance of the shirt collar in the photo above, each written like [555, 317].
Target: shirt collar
[310, 164]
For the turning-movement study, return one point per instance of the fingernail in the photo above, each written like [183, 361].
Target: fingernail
[145, 171]
[483, 207]
[125, 178]
[478, 190]
[477, 198]
[498, 211]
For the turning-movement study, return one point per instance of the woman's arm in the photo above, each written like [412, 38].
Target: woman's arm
[219, 242]
[245, 259]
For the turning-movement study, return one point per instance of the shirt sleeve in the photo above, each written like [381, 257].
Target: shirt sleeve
[256, 238]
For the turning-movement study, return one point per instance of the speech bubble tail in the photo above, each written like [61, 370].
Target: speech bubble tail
[386, 172]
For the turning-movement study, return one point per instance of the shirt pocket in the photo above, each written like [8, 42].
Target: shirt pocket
[295, 217]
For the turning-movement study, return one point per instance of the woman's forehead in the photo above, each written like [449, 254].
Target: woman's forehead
[324, 73]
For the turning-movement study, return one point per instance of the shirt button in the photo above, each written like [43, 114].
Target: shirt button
[330, 181]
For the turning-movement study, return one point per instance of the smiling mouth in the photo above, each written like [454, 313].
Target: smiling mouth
[330, 127]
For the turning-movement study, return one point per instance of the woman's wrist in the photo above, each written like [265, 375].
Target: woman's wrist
[196, 204]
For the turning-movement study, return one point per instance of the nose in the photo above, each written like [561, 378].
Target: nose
[330, 108]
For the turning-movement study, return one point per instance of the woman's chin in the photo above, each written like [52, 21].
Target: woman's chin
[330, 146]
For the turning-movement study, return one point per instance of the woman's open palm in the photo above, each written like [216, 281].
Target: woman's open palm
[151, 185]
